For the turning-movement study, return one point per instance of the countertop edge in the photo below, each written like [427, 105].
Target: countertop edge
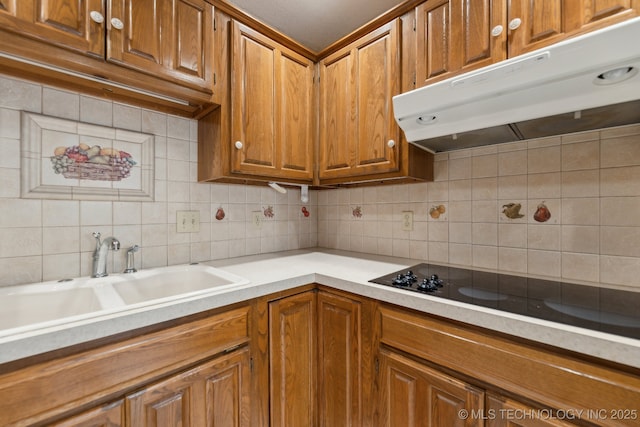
[341, 270]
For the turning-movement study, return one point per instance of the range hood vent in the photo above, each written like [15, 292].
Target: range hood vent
[584, 83]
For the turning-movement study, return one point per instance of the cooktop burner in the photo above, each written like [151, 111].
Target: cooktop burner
[607, 310]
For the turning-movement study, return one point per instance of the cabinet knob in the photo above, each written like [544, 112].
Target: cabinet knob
[497, 30]
[96, 17]
[391, 143]
[515, 23]
[117, 24]
[238, 145]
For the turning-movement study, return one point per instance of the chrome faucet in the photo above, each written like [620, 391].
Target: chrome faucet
[100, 254]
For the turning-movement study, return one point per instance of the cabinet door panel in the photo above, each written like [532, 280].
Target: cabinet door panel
[227, 391]
[454, 36]
[111, 415]
[295, 108]
[433, 41]
[378, 79]
[505, 412]
[169, 403]
[253, 106]
[63, 23]
[292, 346]
[340, 361]
[356, 117]
[170, 39]
[337, 110]
[414, 395]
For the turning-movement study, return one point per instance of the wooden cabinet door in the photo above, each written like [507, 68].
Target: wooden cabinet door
[454, 36]
[544, 22]
[215, 394]
[414, 395]
[505, 412]
[271, 108]
[65, 23]
[339, 361]
[111, 415]
[170, 39]
[294, 110]
[356, 116]
[292, 349]
[253, 102]
[227, 390]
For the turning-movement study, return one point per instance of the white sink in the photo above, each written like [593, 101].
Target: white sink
[47, 304]
[170, 282]
[47, 301]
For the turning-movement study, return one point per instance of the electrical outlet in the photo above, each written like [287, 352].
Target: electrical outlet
[256, 217]
[188, 221]
[407, 220]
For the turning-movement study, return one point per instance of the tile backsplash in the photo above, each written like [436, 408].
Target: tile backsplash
[589, 182]
[52, 239]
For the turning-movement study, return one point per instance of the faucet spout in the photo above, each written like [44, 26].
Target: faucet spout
[100, 254]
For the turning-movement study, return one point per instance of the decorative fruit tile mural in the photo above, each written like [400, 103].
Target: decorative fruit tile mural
[62, 159]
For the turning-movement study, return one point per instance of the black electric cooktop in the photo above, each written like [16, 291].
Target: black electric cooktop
[607, 310]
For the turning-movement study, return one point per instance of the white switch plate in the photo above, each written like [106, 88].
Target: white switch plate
[256, 218]
[188, 221]
[407, 220]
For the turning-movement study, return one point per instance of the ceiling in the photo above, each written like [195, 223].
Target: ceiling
[315, 24]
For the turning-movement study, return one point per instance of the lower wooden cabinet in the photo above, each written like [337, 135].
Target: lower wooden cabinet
[215, 393]
[292, 350]
[415, 395]
[505, 412]
[320, 368]
[110, 415]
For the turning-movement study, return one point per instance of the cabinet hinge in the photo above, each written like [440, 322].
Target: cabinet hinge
[215, 24]
[214, 79]
[377, 365]
[414, 79]
[414, 24]
[251, 365]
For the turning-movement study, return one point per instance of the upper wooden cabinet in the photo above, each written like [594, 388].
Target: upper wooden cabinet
[171, 39]
[359, 139]
[358, 135]
[264, 127]
[139, 44]
[455, 36]
[271, 108]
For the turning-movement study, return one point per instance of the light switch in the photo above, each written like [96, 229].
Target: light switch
[188, 221]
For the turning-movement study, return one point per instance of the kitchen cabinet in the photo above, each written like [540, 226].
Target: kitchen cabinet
[416, 347]
[271, 107]
[320, 359]
[215, 393]
[110, 415]
[413, 394]
[190, 369]
[456, 36]
[359, 139]
[137, 44]
[264, 127]
[506, 412]
[292, 349]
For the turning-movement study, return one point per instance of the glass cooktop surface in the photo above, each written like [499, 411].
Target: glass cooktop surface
[607, 310]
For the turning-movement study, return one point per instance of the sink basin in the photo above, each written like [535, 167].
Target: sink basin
[48, 304]
[169, 282]
[26, 305]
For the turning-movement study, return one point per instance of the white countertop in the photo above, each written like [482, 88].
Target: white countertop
[346, 271]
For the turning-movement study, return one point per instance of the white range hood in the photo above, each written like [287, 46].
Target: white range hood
[566, 87]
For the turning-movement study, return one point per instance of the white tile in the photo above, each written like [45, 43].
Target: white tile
[20, 213]
[20, 95]
[9, 123]
[20, 270]
[96, 111]
[60, 103]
